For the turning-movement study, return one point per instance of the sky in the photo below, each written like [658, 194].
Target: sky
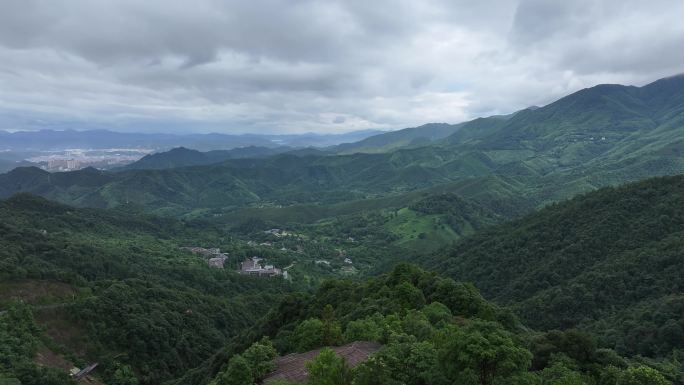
[292, 66]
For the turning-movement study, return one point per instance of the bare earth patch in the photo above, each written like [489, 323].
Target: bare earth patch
[63, 330]
[36, 292]
[48, 358]
[292, 366]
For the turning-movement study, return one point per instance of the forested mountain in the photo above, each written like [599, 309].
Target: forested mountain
[617, 129]
[183, 157]
[609, 262]
[113, 287]
[431, 133]
[600, 136]
[280, 180]
[407, 137]
[428, 329]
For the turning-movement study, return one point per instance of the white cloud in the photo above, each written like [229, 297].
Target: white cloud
[295, 66]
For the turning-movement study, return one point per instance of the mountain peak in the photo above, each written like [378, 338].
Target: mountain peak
[28, 170]
[182, 149]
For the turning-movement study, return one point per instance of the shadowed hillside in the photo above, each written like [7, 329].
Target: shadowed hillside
[609, 262]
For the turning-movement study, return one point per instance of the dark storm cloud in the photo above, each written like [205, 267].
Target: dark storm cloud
[300, 65]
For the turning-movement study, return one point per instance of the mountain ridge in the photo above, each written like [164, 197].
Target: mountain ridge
[591, 262]
[598, 136]
[100, 139]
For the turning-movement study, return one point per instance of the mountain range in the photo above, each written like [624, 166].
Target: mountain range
[604, 135]
[182, 157]
[44, 140]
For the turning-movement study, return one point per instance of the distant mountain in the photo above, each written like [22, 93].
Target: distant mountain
[8, 164]
[605, 262]
[309, 151]
[414, 136]
[96, 139]
[606, 122]
[600, 136]
[183, 157]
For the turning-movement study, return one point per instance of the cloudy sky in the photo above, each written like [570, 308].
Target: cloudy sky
[323, 66]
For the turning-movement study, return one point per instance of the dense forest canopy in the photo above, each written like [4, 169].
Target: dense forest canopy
[608, 262]
[149, 312]
[432, 330]
[133, 299]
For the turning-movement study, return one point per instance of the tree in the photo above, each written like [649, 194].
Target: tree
[610, 375]
[327, 369]
[407, 361]
[123, 375]
[462, 299]
[576, 345]
[482, 351]
[559, 374]
[374, 371]
[367, 329]
[260, 357]
[416, 324]
[308, 335]
[408, 296]
[643, 375]
[437, 313]
[332, 332]
[238, 372]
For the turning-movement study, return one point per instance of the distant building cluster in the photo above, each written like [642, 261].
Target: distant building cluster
[253, 266]
[76, 159]
[215, 258]
[60, 164]
[280, 233]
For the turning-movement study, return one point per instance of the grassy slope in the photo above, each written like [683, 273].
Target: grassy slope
[421, 232]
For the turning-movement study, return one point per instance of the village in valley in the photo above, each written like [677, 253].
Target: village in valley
[275, 253]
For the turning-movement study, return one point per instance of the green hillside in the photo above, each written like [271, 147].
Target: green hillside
[599, 276]
[607, 128]
[428, 330]
[608, 262]
[114, 288]
[407, 137]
